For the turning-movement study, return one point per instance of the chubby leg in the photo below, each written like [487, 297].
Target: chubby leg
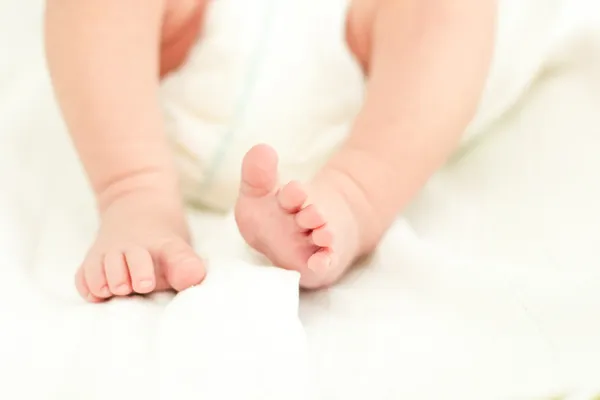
[426, 62]
[105, 59]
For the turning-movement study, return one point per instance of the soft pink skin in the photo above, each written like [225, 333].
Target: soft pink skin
[426, 62]
[418, 55]
[307, 229]
[115, 121]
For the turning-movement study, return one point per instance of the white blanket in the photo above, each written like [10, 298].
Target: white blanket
[487, 289]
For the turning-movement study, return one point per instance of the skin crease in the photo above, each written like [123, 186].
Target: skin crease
[416, 55]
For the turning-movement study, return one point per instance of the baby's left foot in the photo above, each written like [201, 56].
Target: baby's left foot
[312, 231]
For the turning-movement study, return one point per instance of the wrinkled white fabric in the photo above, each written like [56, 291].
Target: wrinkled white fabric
[240, 337]
[239, 330]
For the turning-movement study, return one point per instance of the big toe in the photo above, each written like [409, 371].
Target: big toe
[259, 171]
[183, 268]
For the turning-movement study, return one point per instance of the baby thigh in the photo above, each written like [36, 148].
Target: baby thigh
[182, 23]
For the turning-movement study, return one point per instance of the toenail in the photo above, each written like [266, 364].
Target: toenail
[91, 297]
[146, 284]
[105, 291]
[124, 288]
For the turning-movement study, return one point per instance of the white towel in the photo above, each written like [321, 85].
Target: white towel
[236, 336]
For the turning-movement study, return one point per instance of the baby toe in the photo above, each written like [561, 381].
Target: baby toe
[310, 218]
[141, 270]
[95, 278]
[259, 171]
[181, 265]
[320, 261]
[117, 273]
[83, 289]
[322, 237]
[292, 197]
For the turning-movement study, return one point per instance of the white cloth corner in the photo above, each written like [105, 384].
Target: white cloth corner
[236, 336]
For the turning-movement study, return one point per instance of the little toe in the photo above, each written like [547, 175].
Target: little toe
[95, 278]
[322, 237]
[181, 265]
[292, 197]
[321, 260]
[117, 273]
[82, 287]
[141, 270]
[310, 218]
[259, 171]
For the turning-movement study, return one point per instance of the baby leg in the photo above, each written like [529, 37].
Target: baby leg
[105, 60]
[426, 64]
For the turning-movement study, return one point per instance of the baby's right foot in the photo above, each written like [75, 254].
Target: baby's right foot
[140, 248]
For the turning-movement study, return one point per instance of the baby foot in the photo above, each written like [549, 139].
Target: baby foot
[311, 231]
[139, 249]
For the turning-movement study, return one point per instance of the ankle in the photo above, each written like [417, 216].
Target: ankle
[152, 184]
[359, 206]
[150, 210]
